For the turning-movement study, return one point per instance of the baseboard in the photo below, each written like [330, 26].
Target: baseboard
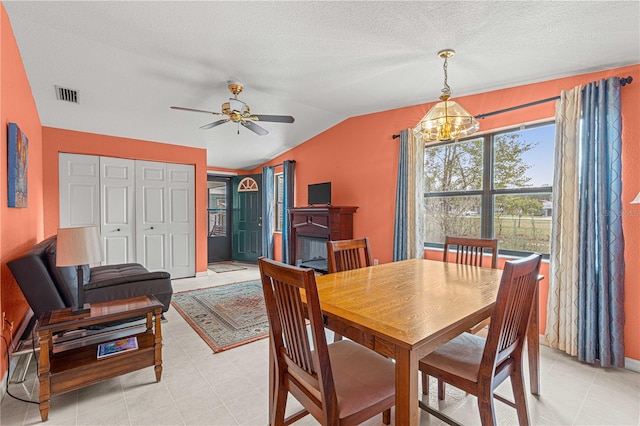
[632, 364]
[629, 363]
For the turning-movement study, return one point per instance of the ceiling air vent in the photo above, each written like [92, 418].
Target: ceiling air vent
[68, 95]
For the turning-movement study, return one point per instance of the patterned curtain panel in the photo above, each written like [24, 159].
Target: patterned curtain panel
[562, 310]
[408, 239]
[288, 195]
[601, 243]
[585, 313]
[268, 203]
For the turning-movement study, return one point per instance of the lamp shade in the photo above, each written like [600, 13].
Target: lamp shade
[637, 199]
[446, 121]
[78, 246]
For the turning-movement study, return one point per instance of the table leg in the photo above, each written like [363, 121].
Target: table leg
[158, 344]
[533, 347]
[44, 376]
[407, 409]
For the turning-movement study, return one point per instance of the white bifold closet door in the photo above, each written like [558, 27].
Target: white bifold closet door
[145, 210]
[165, 217]
[79, 189]
[117, 216]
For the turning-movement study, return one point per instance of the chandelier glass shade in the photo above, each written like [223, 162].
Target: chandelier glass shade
[447, 120]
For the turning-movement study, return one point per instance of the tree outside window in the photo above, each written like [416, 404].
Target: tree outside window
[279, 207]
[492, 186]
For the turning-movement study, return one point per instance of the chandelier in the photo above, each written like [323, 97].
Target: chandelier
[447, 120]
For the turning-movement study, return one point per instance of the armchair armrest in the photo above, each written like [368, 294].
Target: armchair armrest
[109, 275]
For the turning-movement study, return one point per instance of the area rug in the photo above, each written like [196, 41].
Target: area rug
[225, 316]
[224, 267]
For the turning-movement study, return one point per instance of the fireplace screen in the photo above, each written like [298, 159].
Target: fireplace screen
[311, 252]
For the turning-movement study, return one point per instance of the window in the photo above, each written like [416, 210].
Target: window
[279, 208]
[496, 185]
[217, 208]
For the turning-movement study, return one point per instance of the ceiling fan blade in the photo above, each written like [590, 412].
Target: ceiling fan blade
[254, 128]
[195, 110]
[273, 118]
[214, 124]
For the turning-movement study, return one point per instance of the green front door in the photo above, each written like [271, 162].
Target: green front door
[247, 218]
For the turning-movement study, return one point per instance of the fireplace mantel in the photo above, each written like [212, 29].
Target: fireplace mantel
[312, 224]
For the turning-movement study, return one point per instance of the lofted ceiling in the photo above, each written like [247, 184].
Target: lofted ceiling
[321, 62]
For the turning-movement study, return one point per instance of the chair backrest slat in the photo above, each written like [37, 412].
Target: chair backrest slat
[510, 318]
[471, 251]
[345, 255]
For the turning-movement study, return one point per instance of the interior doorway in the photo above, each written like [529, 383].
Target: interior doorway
[219, 214]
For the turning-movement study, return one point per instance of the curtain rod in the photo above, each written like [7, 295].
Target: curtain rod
[293, 161]
[623, 82]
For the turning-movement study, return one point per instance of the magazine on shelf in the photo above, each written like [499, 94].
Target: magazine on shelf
[117, 347]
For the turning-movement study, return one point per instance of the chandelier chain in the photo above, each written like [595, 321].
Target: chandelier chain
[446, 89]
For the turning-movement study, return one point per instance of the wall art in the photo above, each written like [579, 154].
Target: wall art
[17, 145]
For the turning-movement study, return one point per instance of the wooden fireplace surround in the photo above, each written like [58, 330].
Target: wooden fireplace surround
[330, 222]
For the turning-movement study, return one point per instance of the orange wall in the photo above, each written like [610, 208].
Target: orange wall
[59, 140]
[19, 227]
[359, 157]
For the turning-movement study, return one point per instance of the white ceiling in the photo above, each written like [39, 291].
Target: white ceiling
[321, 62]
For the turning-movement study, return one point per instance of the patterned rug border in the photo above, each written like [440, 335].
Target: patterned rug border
[203, 335]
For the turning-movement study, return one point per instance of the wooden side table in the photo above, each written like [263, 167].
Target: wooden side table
[65, 371]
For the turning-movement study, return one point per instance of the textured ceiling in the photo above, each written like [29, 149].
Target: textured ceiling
[321, 62]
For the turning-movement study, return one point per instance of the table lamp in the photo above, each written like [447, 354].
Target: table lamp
[77, 247]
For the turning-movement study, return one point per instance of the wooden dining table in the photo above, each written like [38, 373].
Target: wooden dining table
[405, 310]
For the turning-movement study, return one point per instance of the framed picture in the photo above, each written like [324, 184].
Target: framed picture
[17, 145]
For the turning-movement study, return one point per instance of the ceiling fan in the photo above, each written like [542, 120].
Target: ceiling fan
[238, 112]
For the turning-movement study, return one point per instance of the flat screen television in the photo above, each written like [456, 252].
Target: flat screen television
[319, 194]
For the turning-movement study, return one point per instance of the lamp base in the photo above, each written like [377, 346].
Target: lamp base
[80, 307]
[80, 310]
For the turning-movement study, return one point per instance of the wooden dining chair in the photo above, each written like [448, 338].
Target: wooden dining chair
[345, 255]
[477, 365]
[341, 383]
[471, 251]
[468, 251]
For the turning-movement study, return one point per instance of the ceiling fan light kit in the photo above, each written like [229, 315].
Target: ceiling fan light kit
[239, 112]
[447, 120]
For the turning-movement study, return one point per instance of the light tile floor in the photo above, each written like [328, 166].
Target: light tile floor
[231, 388]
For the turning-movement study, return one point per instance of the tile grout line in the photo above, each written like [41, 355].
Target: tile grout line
[222, 403]
[584, 399]
[173, 400]
[126, 405]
